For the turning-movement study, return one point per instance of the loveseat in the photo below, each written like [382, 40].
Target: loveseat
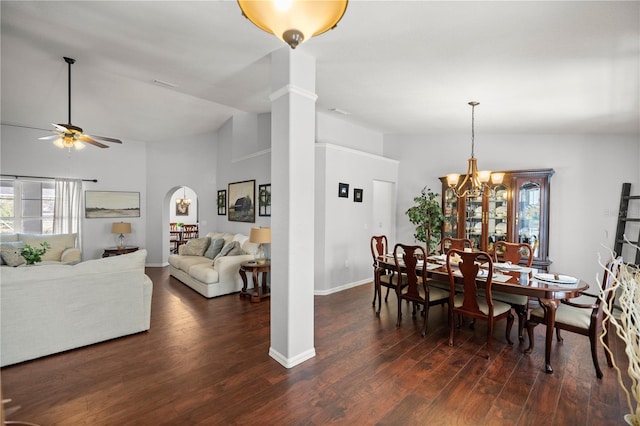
[62, 246]
[213, 272]
[50, 308]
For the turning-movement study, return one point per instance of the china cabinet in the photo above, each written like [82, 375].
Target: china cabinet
[516, 210]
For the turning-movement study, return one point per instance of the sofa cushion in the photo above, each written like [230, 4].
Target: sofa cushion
[14, 244]
[203, 272]
[8, 238]
[184, 263]
[196, 247]
[214, 248]
[58, 243]
[226, 249]
[11, 255]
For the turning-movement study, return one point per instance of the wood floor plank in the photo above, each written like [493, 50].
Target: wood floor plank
[205, 362]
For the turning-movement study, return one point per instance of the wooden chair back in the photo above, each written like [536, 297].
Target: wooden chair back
[407, 257]
[516, 253]
[379, 246]
[449, 243]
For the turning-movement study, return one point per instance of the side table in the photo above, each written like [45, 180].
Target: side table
[259, 290]
[115, 251]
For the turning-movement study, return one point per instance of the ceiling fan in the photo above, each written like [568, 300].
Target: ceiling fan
[68, 135]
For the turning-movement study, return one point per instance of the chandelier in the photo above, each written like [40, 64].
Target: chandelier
[294, 21]
[184, 201]
[475, 183]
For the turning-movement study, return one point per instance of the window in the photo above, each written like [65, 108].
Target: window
[26, 206]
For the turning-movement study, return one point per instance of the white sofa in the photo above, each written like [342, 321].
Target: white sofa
[213, 278]
[63, 246]
[50, 308]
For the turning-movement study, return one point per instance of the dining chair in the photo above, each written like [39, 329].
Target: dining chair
[516, 254]
[469, 303]
[449, 243]
[581, 318]
[381, 276]
[413, 260]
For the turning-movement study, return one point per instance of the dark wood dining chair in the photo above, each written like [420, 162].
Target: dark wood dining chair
[382, 277]
[581, 318]
[469, 303]
[449, 243]
[516, 254]
[413, 260]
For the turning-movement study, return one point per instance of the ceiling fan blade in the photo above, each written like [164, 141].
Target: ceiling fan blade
[87, 139]
[60, 128]
[50, 137]
[105, 138]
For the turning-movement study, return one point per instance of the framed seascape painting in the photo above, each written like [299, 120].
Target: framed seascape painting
[99, 204]
[264, 200]
[242, 196]
[222, 202]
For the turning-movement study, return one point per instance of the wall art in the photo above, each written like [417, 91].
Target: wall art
[222, 202]
[264, 200]
[343, 190]
[242, 201]
[98, 204]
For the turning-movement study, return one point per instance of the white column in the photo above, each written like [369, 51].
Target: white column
[292, 206]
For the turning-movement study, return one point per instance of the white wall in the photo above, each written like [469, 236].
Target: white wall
[585, 190]
[331, 129]
[190, 162]
[118, 168]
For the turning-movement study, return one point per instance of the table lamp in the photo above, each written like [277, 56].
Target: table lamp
[121, 228]
[261, 236]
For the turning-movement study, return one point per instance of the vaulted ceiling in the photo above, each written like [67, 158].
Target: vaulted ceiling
[395, 66]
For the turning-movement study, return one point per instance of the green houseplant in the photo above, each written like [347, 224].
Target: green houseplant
[33, 254]
[427, 215]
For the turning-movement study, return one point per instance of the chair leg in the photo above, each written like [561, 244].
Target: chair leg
[375, 293]
[399, 312]
[530, 326]
[452, 325]
[521, 311]
[558, 336]
[489, 337]
[386, 298]
[594, 355]
[426, 319]
[509, 326]
[606, 352]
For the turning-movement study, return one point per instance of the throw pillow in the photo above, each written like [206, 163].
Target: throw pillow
[14, 244]
[226, 249]
[196, 247]
[12, 256]
[236, 251]
[214, 248]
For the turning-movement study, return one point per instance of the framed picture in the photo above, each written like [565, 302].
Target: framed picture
[222, 202]
[343, 190]
[182, 209]
[242, 201]
[264, 200]
[99, 204]
[357, 195]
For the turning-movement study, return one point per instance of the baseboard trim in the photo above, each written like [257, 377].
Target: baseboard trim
[292, 362]
[341, 288]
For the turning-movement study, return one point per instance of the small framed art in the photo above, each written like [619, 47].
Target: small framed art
[222, 202]
[264, 200]
[343, 190]
[357, 195]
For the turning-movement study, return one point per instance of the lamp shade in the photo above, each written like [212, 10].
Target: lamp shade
[121, 228]
[260, 235]
[294, 21]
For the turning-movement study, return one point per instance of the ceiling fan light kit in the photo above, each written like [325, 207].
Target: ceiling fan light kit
[70, 136]
[294, 21]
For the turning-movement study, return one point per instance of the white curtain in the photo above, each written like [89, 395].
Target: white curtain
[67, 212]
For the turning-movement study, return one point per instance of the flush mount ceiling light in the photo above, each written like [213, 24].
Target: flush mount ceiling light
[294, 21]
[70, 136]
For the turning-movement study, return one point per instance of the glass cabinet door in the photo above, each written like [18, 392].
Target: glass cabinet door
[528, 213]
[450, 225]
[474, 220]
[497, 216]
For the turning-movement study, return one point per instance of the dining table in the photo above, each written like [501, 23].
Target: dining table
[548, 288]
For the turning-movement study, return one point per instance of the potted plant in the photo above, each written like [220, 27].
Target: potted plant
[427, 215]
[626, 288]
[32, 254]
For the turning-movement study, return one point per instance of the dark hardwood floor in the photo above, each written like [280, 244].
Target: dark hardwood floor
[206, 362]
